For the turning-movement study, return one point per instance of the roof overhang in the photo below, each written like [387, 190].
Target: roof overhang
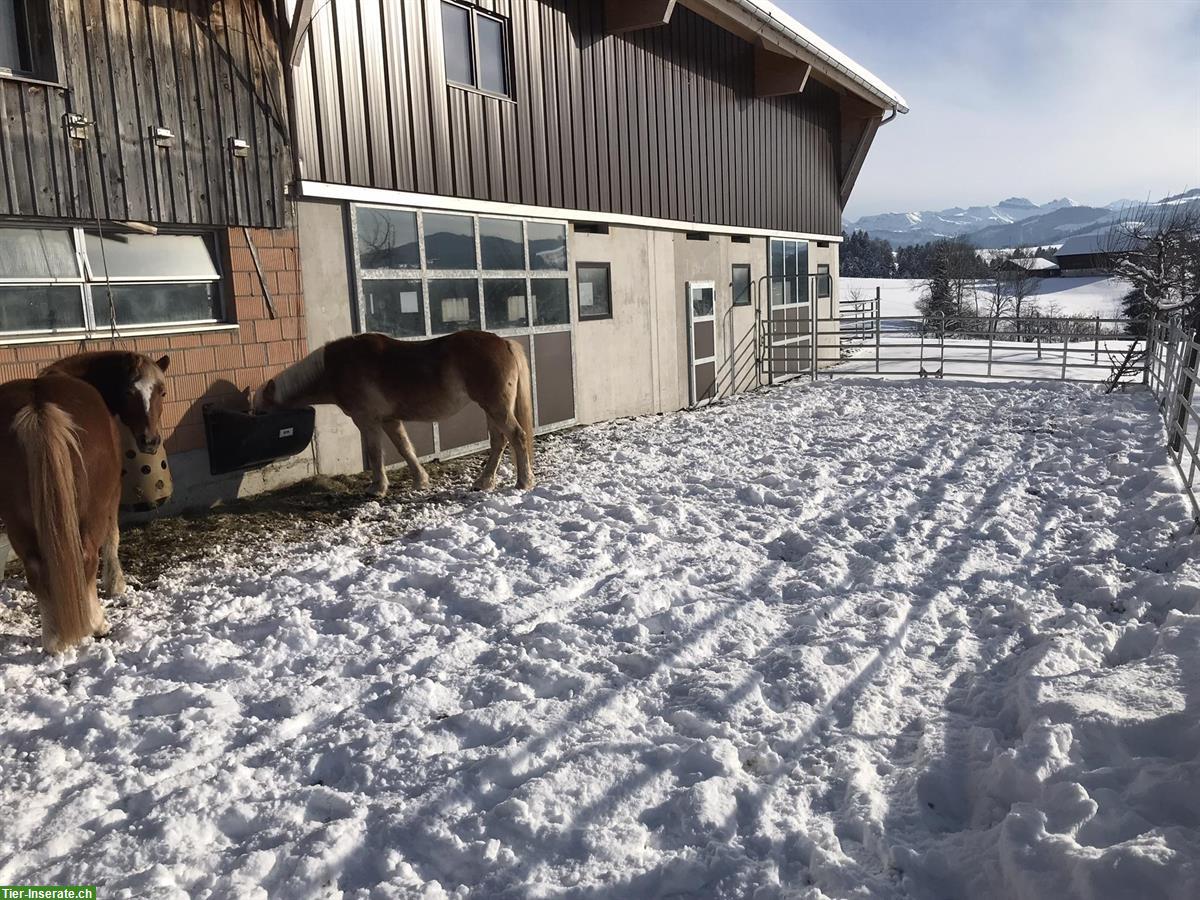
[768, 27]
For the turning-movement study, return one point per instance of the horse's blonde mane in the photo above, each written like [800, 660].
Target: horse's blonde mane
[297, 378]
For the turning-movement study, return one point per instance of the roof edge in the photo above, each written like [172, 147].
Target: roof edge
[786, 26]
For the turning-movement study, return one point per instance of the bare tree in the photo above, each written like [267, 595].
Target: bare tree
[1157, 250]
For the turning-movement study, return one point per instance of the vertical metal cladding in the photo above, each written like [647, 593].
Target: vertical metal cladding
[661, 122]
[207, 72]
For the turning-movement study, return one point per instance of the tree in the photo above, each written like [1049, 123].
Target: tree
[862, 256]
[1157, 250]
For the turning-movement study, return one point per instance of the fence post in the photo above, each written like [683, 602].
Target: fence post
[878, 300]
[1096, 355]
[1187, 385]
[991, 344]
[1066, 350]
[1153, 326]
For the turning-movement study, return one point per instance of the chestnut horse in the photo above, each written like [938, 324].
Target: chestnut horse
[61, 457]
[379, 382]
[133, 388]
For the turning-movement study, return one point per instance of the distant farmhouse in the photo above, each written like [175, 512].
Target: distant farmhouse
[1037, 266]
[1091, 254]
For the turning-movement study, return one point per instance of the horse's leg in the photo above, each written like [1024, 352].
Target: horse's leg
[91, 568]
[511, 428]
[112, 575]
[35, 575]
[372, 433]
[396, 433]
[487, 475]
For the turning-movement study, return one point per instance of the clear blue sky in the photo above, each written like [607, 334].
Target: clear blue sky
[1092, 100]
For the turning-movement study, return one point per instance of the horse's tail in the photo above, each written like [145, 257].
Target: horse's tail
[524, 401]
[49, 439]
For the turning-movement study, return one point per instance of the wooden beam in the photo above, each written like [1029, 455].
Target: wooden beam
[777, 74]
[857, 134]
[621, 16]
[301, 19]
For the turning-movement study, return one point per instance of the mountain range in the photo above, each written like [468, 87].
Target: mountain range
[1015, 222]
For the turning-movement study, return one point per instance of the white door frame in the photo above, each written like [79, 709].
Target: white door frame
[692, 319]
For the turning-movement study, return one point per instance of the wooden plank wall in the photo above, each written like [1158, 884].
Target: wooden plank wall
[208, 70]
[660, 123]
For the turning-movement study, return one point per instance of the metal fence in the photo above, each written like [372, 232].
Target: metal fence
[1172, 353]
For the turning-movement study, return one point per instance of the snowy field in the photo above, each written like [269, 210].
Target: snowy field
[920, 639]
[1088, 296]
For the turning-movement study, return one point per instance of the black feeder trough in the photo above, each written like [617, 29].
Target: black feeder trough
[238, 441]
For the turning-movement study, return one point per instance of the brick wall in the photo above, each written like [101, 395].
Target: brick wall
[210, 367]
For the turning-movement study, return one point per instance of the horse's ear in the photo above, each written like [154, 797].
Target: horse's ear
[163, 362]
[269, 391]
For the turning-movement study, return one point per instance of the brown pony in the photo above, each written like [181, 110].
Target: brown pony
[379, 382]
[133, 389]
[132, 385]
[61, 457]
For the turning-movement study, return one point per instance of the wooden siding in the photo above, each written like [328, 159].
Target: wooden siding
[208, 71]
[661, 122]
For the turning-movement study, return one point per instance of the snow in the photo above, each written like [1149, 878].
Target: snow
[852, 639]
[1074, 296]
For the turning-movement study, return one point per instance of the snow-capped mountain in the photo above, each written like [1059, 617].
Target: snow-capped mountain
[929, 225]
[1015, 222]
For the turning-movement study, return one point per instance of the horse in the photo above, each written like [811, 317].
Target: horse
[61, 456]
[379, 382]
[133, 387]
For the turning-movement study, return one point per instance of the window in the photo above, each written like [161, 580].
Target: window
[476, 48]
[824, 282]
[58, 279]
[423, 273]
[595, 298]
[741, 285]
[788, 271]
[26, 45]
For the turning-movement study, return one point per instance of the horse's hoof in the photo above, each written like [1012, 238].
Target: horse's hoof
[484, 485]
[420, 484]
[116, 589]
[526, 485]
[103, 628]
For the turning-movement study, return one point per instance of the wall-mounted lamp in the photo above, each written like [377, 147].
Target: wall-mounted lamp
[77, 126]
[163, 137]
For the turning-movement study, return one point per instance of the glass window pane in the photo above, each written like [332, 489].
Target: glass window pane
[789, 258]
[493, 66]
[801, 295]
[41, 307]
[702, 301]
[501, 244]
[824, 282]
[776, 257]
[456, 37]
[547, 245]
[595, 301]
[387, 239]
[551, 301]
[741, 285]
[453, 304]
[152, 304]
[394, 306]
[10, 47]
[150, 256]
[449, 241]
[37, 253]
[504, 302]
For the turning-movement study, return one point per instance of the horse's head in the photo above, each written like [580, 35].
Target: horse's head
[141, 404]
[264, 397]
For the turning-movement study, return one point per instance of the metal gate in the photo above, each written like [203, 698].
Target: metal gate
[786, 326]
[702, 341]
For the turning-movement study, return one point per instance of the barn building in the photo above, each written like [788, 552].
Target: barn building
[144, 164]
[627, 187]
[646, 193]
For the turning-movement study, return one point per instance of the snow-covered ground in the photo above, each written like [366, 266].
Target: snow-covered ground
[1086, 296]
[911, 639]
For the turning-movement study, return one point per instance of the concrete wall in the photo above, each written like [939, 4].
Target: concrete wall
[328, 269]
